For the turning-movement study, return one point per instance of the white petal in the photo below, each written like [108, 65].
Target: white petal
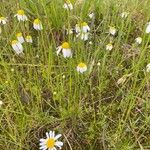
[43, 147]
[148, 29]
[59, 144]
[47, 135]
[65, 6]
[57, 136]
[58, 50]
[70, 6]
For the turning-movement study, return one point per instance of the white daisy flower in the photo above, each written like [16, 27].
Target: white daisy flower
[112, 30]
[138, 40]
[109, 47]
[66, 50]
[3, 20]
[82, 31]
[91, 15]
[84, 27]
[148, 68]
[148, 28]
[77, 28]
[29, 39]
[51, 141]
[68, 5]
[17, 46]
[21, 15]
[81, 67]
[124, 14]
[37, 25]
[20, 37]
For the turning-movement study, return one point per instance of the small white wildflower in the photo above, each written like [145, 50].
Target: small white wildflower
[3, 20]
[21, 15]
[17, 46]
[20, 37]
[82, 31]
[37, 25]
[112, 30]
[66, 50]
[91, 15]
[29, 39]
[12, 69]
[63, 76]
[138, 40]
[98, 64]
[68, 5]
[109, 47]
[81, 67]
[90, 42]
[51, 141]
[124, 14]
[54, 93]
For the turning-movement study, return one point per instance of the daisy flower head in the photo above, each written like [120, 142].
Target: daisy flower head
[68, 5]
[37, 25]
[82, 30]
[112, 30]
[21, 15]
[138, 40]
[66, 50]
[148, 68]
[77, 28]
[124, 14]
[20, 37]
[109, 47]
[29, 39]
[84, 27]
[148, 28]
[3, 20]
[17, 47]
[51, 141]
[82, 67]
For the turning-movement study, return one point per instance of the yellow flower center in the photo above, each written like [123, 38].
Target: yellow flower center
[65, 45]
[2, 18]
[67, 1]
[14, 42]
[83, 24]
[82, 65]
[37, 21]
[28, 37]
[20, 12]
[109, 44]
[50, 143]
[19, 34]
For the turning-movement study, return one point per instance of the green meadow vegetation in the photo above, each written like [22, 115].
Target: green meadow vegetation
[105, 108]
